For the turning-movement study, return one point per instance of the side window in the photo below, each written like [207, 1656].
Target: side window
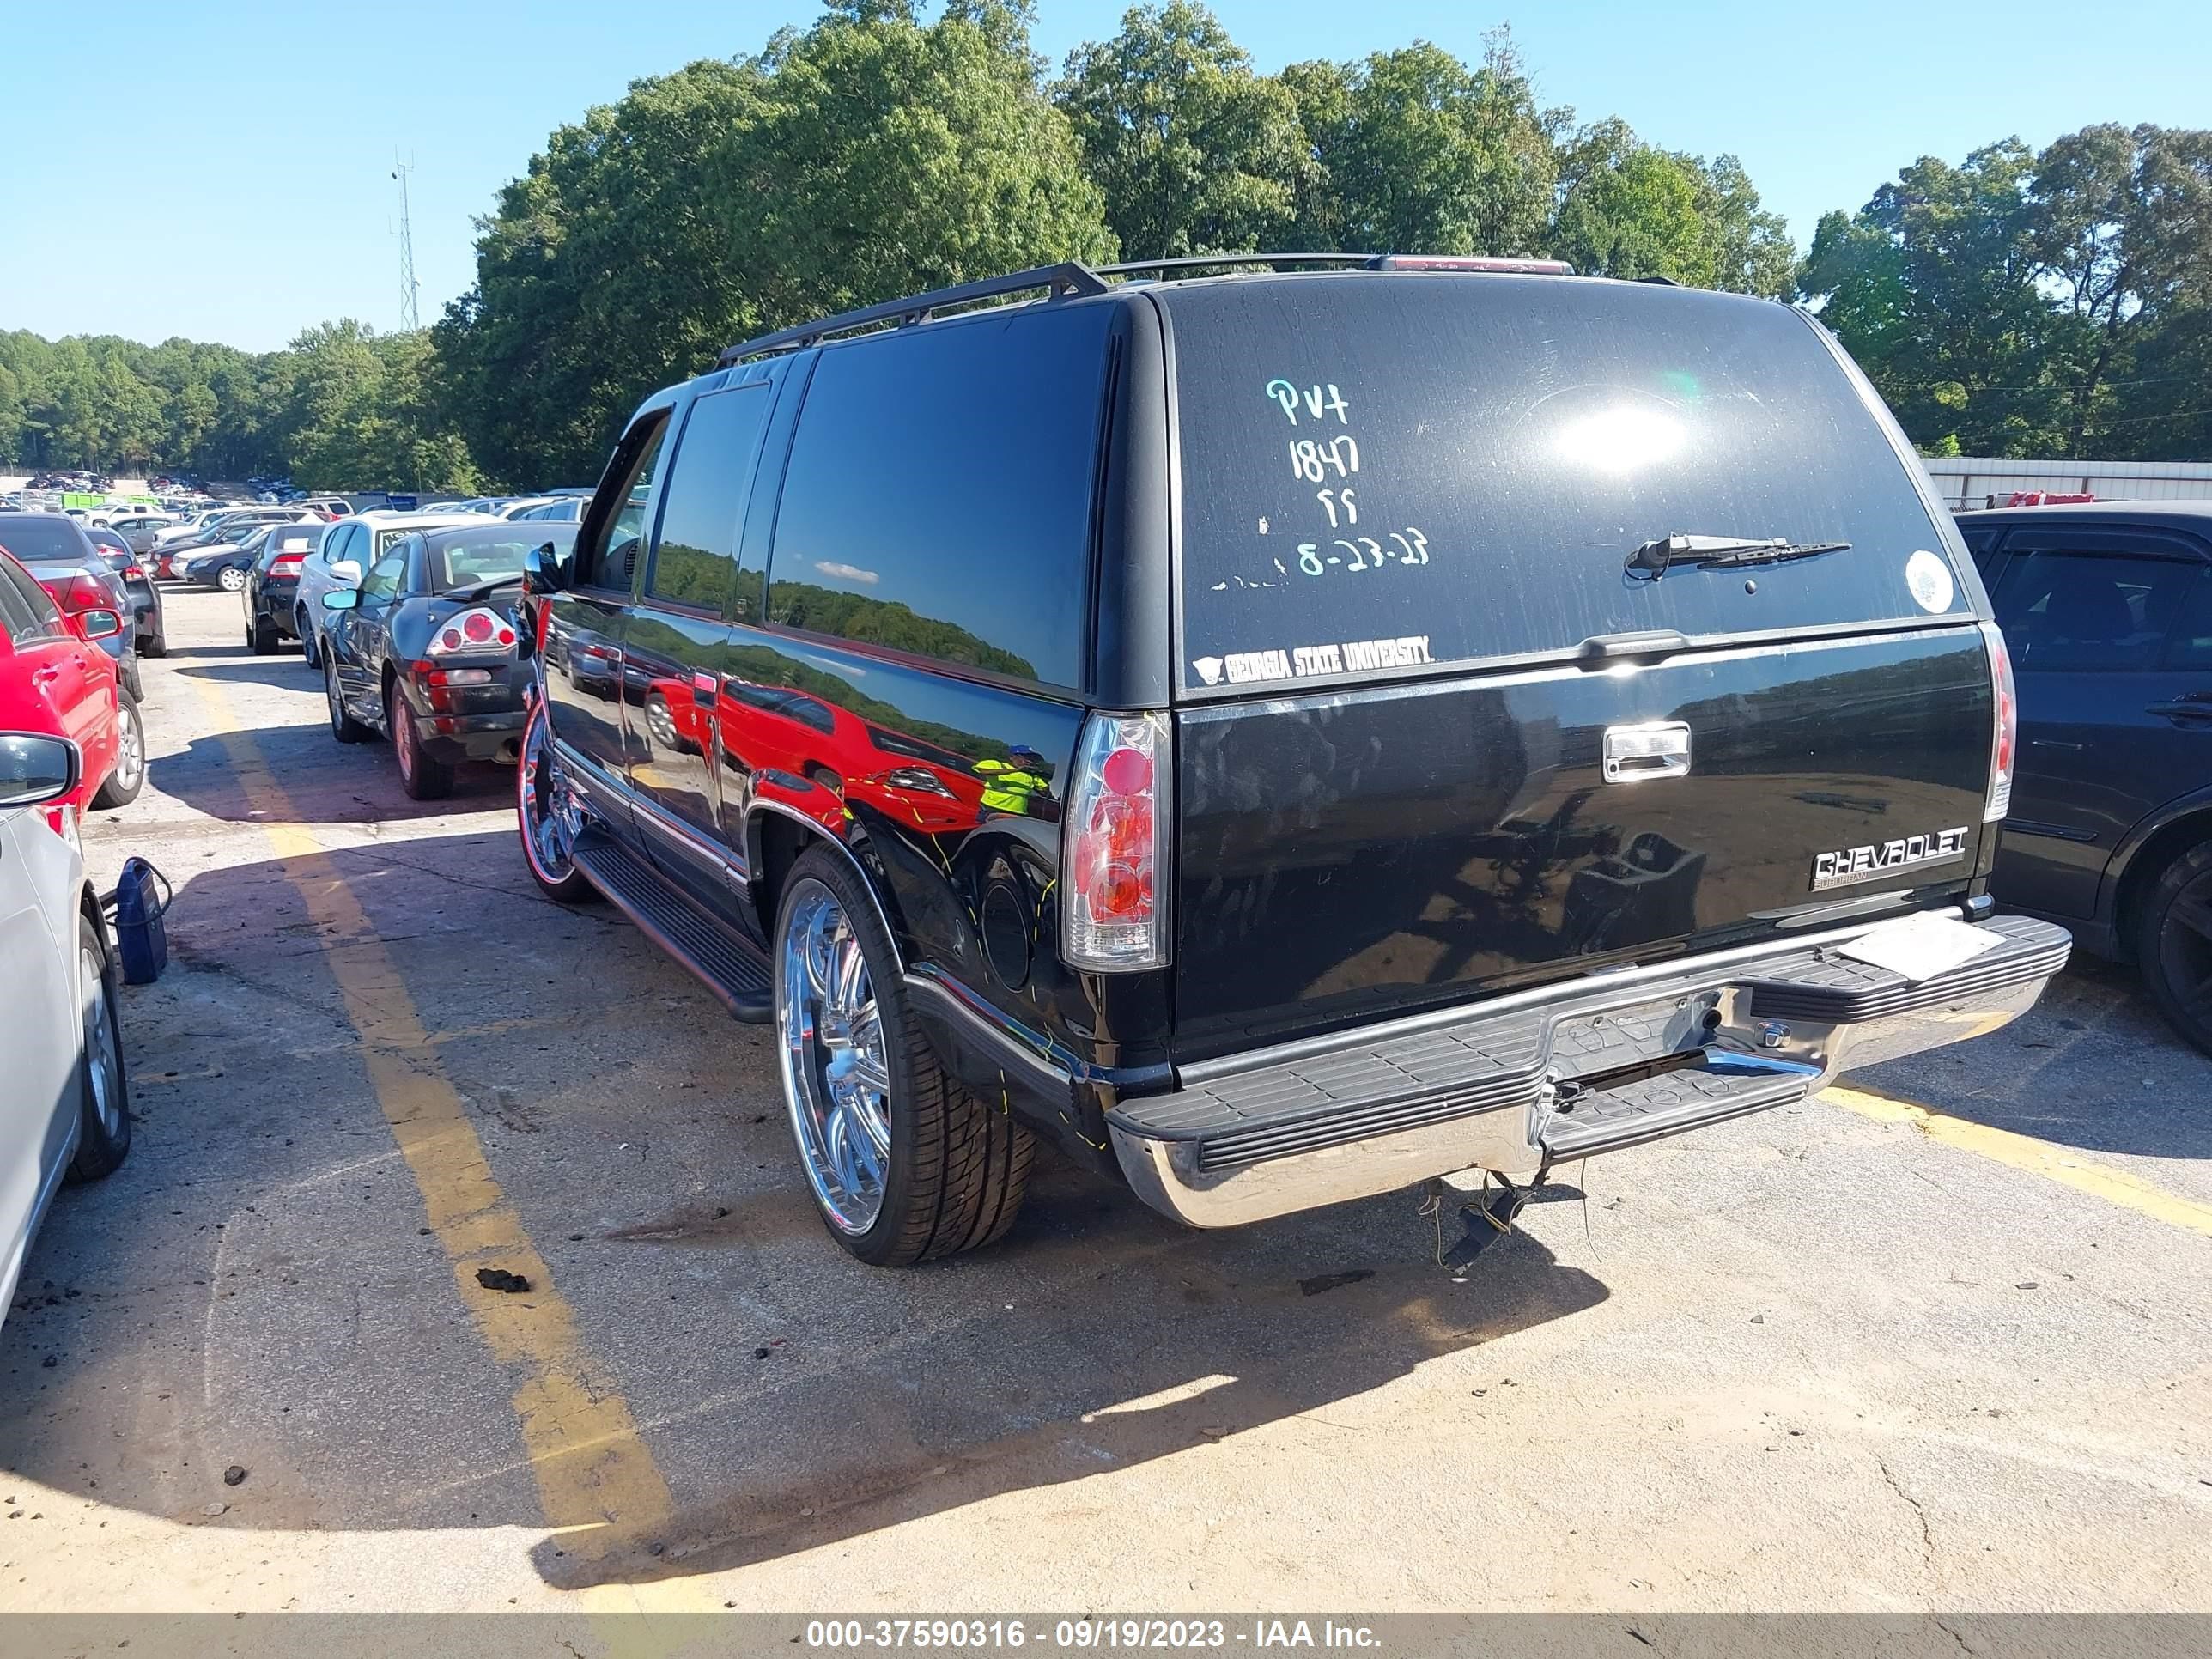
[383, 580]
[40, 620]
[2190, 645]
[2067, 612]
[938, 497]
[608, 559]
[705, 499]
[1982, 541]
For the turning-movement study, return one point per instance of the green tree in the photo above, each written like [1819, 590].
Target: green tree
[1427, 155]
[889, 157]
[1192, 151]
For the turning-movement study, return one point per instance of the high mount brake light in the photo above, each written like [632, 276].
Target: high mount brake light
[1114, 845]
[2004, 728]
[477, 630]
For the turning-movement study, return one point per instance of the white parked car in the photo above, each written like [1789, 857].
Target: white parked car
[65, 1110]
[347, 550]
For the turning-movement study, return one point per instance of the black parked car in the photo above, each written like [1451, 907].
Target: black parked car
[424, 650]
[224, 564]
[2107, 608]
[1283, 736]
[129, 567]
[271, 582]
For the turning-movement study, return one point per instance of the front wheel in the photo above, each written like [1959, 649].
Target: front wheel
[103, 1089]
[903, 1163]
[2173, 944]
[549, 816]
[343, 727]
[231, 580]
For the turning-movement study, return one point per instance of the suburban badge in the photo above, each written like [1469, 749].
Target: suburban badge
[1847, 865]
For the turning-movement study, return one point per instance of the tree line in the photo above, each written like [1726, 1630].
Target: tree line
[2024, 303]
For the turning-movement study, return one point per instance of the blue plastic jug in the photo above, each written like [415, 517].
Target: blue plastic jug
[140, 937]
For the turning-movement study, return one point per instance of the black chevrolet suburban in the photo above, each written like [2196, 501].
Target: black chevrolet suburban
[1285, 729]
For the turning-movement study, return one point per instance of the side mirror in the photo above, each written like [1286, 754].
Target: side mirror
[345, 570]
[98, 625]
[34, 769]
[541, 571]
[341, 599]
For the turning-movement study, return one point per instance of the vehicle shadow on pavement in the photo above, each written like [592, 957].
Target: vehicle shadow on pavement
[324, 781]
[2091, 1066]
[256, 1287]
[1182, 1343]
[286, 671]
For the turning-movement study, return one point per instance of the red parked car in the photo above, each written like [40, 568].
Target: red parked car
[57, 681]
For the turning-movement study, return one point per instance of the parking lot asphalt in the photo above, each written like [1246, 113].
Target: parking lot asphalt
[1941, 1339]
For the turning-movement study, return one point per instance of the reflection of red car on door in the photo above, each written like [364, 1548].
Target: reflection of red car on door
[775, 728]
[56, 682]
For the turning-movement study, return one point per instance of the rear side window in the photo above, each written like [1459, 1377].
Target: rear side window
[1382, 472]
[26, 607]
[2067, 612]
[705, 497]
[938, 499]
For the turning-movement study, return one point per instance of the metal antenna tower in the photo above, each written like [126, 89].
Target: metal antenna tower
[410, 314]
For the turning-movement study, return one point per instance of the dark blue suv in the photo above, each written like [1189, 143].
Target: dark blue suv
[2107, 610]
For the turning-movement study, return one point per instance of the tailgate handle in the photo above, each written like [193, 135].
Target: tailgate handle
[1634, 753]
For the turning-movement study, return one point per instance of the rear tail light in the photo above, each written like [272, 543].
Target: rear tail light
[2004, 730]
[1114, 845]
[78, 592]
[287, 564]
[479, 630]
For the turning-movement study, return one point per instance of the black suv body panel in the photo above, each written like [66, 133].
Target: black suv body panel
[1354, 854]
[875, 620]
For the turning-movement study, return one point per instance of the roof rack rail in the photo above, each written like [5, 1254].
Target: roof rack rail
[1513, 264]
[1067, 279]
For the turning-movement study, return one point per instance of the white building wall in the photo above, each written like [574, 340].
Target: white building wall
[1965, 481]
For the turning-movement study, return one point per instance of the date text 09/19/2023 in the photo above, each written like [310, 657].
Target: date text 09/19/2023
[1087, 1635]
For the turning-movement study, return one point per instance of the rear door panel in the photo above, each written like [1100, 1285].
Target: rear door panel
[1375, 849]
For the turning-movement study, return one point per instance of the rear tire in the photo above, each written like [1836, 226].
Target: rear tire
[308, 653]
[121, 786]
[104, 1087]
[261, 635]
[2173, 944]
[955, 1170]
[421, 774]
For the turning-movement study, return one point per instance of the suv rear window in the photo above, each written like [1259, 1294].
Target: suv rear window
[1382, 472]
[49, 539]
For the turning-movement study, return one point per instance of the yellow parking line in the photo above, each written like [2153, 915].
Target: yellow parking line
[592, 1470]
[2114, 1186]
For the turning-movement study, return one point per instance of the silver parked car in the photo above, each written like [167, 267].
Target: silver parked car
[65, 1110]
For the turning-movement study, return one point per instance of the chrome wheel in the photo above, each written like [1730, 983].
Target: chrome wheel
[103, 1067]
[836, 1079]
[129, 753]
[551, 816]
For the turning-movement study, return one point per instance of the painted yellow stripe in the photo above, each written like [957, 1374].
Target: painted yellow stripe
[2114, 1186]
[592, 1470]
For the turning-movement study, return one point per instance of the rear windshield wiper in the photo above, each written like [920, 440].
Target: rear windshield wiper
[476, 590]
[1722, 552]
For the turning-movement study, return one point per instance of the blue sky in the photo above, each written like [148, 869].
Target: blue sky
[222, 170]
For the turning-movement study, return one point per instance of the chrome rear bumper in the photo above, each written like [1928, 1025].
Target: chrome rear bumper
[1496, 1087]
